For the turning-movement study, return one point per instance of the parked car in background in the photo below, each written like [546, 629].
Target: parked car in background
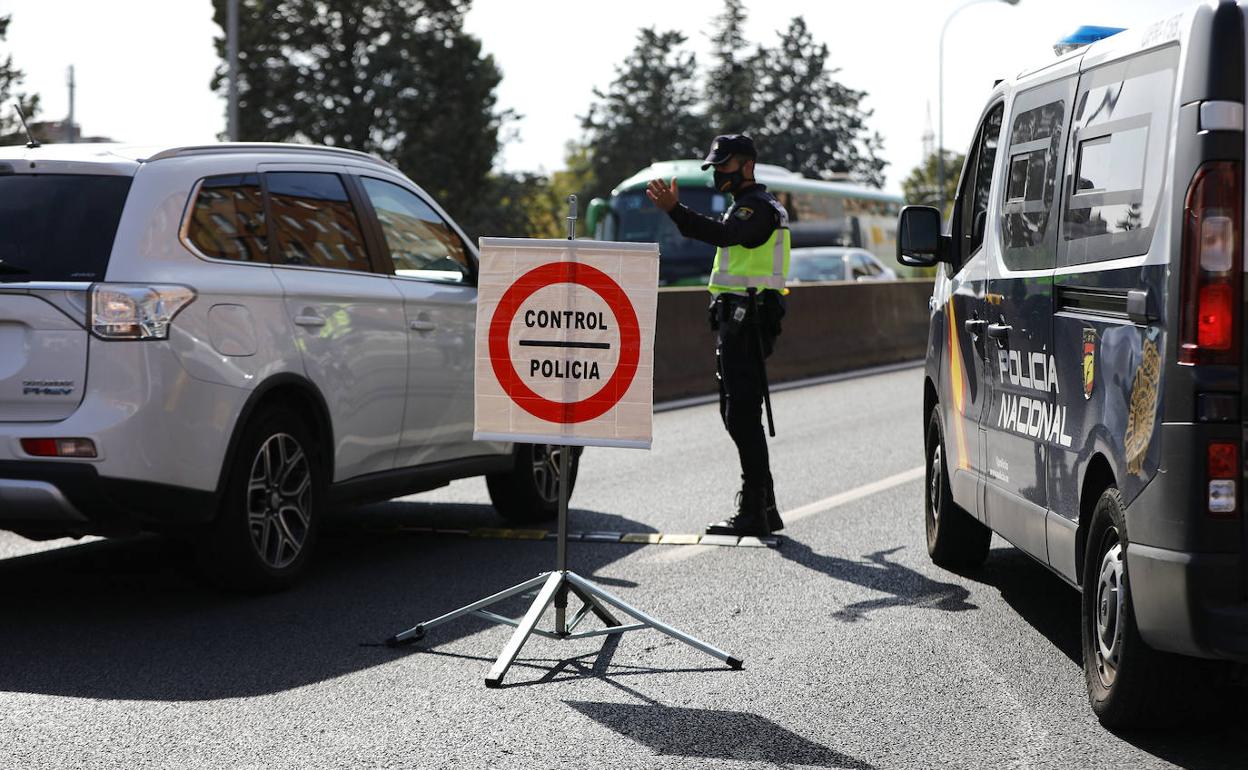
[836, 263]
[220, 341]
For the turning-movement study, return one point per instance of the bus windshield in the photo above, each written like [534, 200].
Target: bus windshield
[682, 260]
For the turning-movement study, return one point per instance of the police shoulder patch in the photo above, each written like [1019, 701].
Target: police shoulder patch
[743, 213]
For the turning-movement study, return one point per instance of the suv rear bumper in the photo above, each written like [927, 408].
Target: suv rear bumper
[1190, 603]
[57, 499]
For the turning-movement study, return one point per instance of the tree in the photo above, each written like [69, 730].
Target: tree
[812, 123]
[650, 112]
[10, 82]
[397, 78]
[922, 186]
[731, 83]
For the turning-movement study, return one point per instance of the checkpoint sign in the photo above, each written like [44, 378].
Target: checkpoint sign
[565, 342]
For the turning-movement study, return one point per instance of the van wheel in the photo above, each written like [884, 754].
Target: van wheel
[529, 492]
[266, 528]
[1129, 683]
[955, 538]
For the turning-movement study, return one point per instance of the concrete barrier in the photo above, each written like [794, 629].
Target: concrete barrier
[829, 328]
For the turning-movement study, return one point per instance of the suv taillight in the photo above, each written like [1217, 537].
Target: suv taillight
[1212, 260]
[122, 311]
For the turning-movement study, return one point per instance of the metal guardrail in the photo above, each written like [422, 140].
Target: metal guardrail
[829, 328]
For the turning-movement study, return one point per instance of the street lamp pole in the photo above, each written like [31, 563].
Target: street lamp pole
[940, 96]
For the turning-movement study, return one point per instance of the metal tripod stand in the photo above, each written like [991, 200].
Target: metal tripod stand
[553, 587]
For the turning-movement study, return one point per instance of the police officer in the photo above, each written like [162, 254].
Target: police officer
[747, 282]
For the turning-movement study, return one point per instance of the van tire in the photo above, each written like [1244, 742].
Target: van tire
[1135, 685]
[955, 538]
[262, 538]
[529, 492]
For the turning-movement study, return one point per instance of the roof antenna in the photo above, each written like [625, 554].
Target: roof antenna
[30, 143]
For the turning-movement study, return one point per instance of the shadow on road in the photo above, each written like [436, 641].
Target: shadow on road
[1038, 596]
[712, 734]
[689, 732]
[907, 587]
[130, 619]
[1051, 607]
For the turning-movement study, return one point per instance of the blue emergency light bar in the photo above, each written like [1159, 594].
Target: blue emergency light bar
[1085, 35]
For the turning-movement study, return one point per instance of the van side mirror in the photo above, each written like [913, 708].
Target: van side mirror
[919, 242]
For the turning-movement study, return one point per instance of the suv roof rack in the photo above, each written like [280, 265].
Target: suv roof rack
[232, 147]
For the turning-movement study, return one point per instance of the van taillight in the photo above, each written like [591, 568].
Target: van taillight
[1212, 259]
[1222, 467]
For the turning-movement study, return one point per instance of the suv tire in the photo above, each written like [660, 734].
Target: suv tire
[529, 492]
[266, 528]
[955, 538]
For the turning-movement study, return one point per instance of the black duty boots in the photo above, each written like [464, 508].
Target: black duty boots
[774, 522]
[751, 518]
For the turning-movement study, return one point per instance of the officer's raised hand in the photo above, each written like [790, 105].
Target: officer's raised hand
[662, 195]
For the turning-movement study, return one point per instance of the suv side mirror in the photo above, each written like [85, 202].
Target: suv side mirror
[919, 242]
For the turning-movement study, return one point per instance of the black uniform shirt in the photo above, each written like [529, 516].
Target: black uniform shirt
[749, 222]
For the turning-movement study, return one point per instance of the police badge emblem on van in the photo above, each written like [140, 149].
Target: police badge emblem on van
[1089, 362]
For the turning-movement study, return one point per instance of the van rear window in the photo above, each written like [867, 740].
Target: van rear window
[58, 227]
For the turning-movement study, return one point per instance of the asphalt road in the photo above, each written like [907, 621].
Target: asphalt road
[859, 653]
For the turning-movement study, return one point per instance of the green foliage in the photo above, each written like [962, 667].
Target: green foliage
[732, 86]
[787, 98]
[810, 122]
[10, 84]
[400, 79]
[649, 112]
[922, 186]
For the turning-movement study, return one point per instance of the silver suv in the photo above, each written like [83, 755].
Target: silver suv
[220, 341]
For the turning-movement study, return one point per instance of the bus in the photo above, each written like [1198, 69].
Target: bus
[820, 214]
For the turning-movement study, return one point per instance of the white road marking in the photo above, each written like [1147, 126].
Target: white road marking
[857, 493]
[806, 511]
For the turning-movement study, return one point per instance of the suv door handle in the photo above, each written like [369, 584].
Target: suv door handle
[975, 326]
[309, 320]
[999, 331]
[423, 326]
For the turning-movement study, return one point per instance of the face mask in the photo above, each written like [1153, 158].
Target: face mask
[728, 181]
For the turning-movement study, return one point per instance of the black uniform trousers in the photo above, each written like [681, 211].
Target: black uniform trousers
[741, 380]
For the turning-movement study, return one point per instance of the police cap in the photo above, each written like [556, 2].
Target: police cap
[727, 145]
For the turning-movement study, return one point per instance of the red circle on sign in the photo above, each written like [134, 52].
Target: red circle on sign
[630, 342]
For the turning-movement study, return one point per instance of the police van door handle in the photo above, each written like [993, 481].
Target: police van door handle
[309, 319]
[422, 326]
[975, 326]
[999, 331]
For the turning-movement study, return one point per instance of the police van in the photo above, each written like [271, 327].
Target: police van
[1086, 355]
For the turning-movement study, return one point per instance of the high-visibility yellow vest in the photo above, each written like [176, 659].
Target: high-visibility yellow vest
[737, 268]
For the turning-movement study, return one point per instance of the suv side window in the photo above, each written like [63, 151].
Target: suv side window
[1036, 144]
[971, 208]
[227, 219]
[1117, 162]
[314, 223]
[421, 243]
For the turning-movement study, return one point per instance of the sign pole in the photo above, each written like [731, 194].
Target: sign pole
[553, 587]
[561, 544]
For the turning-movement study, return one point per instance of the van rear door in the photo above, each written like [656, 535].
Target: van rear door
[56, 235]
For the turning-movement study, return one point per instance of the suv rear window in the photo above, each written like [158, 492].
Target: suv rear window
[58, 227]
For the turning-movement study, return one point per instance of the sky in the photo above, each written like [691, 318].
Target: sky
[142, 67]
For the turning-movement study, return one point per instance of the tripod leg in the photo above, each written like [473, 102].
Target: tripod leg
[544, 597]
[657, 625]
[418, 632]
[596, 606]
